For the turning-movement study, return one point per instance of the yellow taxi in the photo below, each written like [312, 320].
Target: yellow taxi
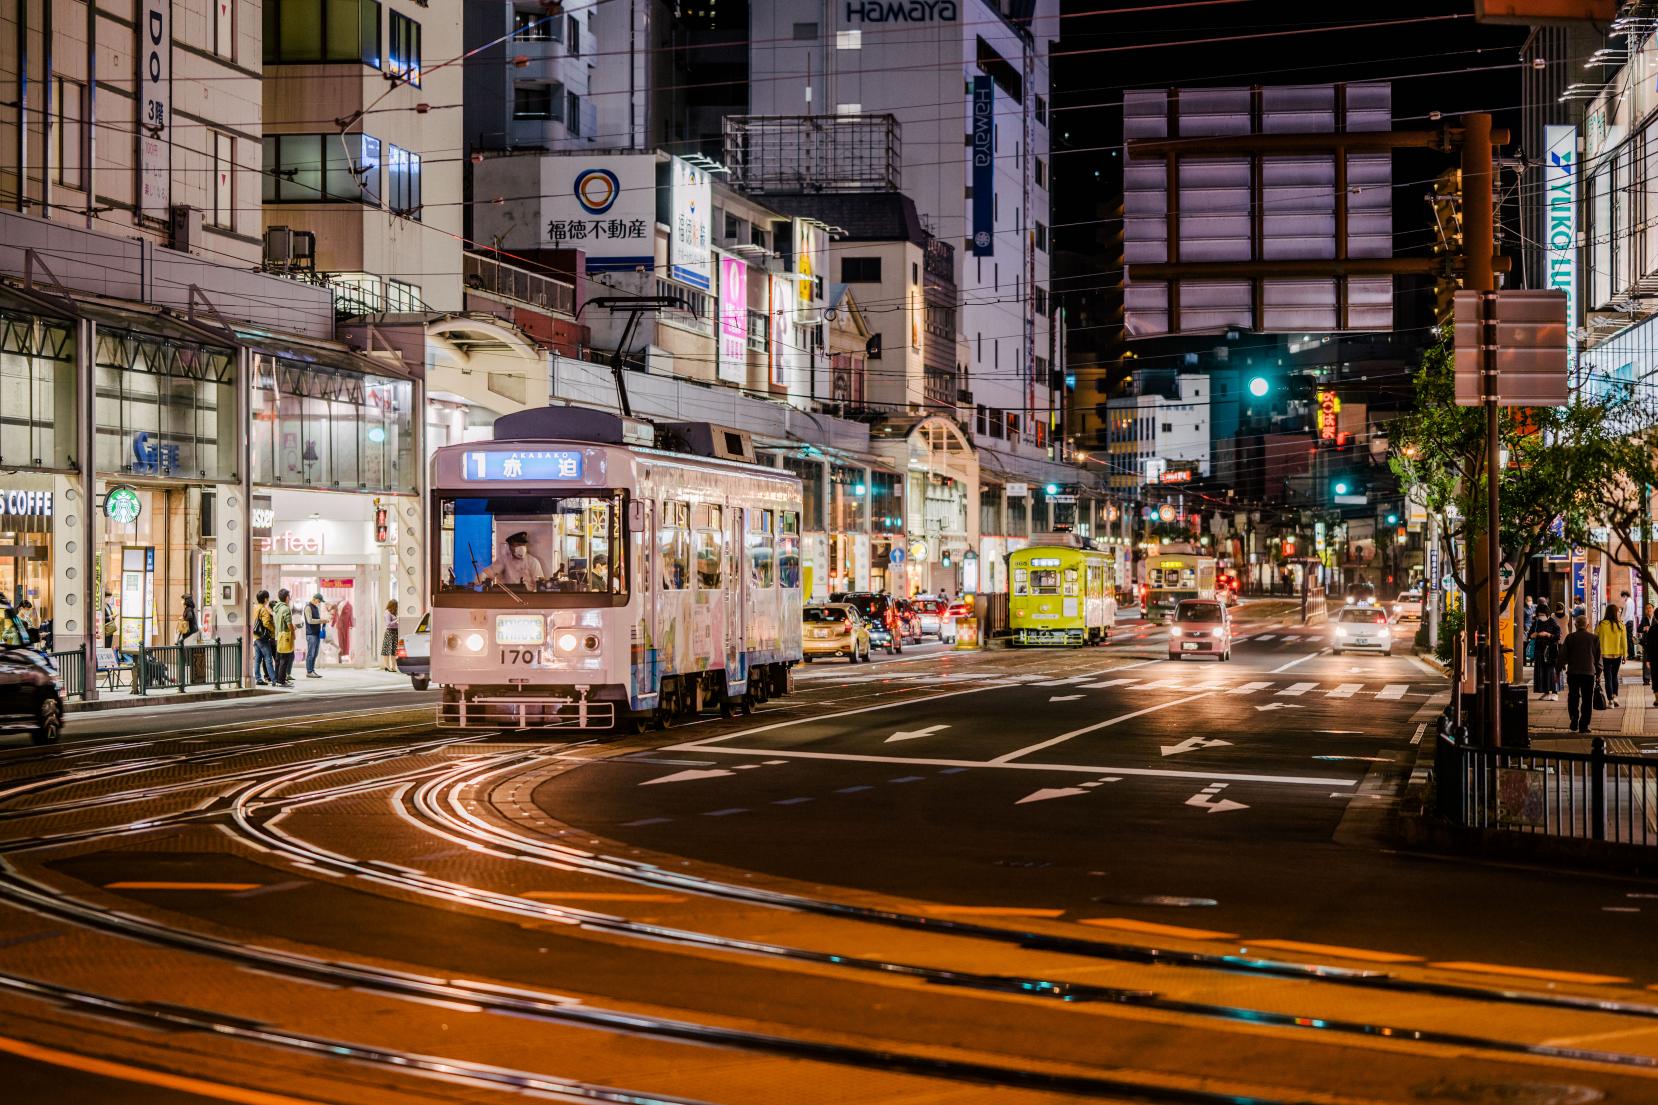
[834, 629]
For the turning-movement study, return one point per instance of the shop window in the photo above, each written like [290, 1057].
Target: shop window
[166, 407]
[322, 31]
[37, 381]
[673, 546]
[810, 471]
[788, 550]
[403, 57]
[759, 544]
[317, 426]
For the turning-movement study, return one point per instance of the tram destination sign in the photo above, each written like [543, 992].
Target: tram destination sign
[522, 464]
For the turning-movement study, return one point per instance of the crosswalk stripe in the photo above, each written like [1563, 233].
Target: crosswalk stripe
[1066, 682]
[1109, 683]
[1393, 690]
[1296, 689]
[1345, 690]
[1262, 637]
[1164, 685]
[1250, 688]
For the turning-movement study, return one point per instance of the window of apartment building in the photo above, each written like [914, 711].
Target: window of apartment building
[574, 37]
[536, 101]
[1041, 173]
[849, 109]
[321, 168]
[403, 181]
[860, 270]
[1042, 110]
[224, 28]
[759, 236]
[1168, 427]
[847, 40]
[71, 134]
[572, 113]
[322, 30]
[1012, 426]
[1042, 236]
[981, 421]
[805, 32]
[1039, 299]
[403, 296]
[996, 424]
[532, 26]
[403, 59]
[224, 181]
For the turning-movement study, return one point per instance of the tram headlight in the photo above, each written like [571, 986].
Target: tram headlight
[568, 641]
[474, 642]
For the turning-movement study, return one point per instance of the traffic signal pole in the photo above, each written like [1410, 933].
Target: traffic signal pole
[1479, 239]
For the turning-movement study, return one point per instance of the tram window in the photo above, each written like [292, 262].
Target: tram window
[708, 558]
[1045, 582]
[673, 546]
[788, 551]
[761, 565]
[1096, 579]
[491, 545]
[1021, 584]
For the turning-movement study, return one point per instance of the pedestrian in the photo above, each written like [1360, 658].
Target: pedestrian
[1649, 649]
[110, 620]
[1610, 634]
[1545, 652]
[1581, 653]
[11, 633]
[315, 630]
[1628, 616]
[283, 616]
[264, 641]
[1560, 668]
[1641, 630]
[25, 617]
[388, 639]
[189, 624]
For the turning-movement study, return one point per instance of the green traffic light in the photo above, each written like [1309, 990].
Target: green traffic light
[1258, 386]
[1392, 519]
[1053, 489]
[1341, 487]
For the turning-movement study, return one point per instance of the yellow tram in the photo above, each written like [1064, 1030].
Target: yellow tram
[1061, 594]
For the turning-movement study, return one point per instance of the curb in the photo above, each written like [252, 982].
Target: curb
[161, 699]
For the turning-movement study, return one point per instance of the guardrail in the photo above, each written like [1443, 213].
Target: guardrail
[71, 672]
[184, 666]
[1582, 795]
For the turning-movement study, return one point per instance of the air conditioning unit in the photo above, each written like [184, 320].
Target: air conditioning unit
[279, 246]
[185, 233]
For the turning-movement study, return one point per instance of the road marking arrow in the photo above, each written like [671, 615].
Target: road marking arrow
[1192, 744]
[687, 776]
[1210, 800]
[1049, 792]
[1065, 697]
[911, 734]
[1282, 706]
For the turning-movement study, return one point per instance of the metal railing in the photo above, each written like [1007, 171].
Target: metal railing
[71, 672]
[183, 666]
[485, 274]
[1590, 795]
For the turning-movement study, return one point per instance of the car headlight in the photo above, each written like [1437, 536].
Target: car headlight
[1340, 632]
[1218, 632]
[1398, 606]
[1175, 632]
[1387, 634]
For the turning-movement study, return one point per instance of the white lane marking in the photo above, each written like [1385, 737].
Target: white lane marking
[687, 777]
[1209, 801]
[1063, 737]
[1295, 689]
[1070, 679]
[1083, 769]
[1344, 690]
[1281, 706]
[1110, 683]
[1250, 688]
[1192, 744]
[706, 742]
[1393, 690]
[1292, 663]
[1162, 685]
[1050, 792]
[1065, 697]
[912, 734]
[1260, 637]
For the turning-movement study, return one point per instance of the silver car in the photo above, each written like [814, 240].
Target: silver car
[1362, 629]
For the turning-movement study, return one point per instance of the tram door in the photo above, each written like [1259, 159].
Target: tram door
[736, 669]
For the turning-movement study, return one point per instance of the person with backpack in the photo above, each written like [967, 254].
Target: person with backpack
[315, 630]
[282, 616]
[264, 641]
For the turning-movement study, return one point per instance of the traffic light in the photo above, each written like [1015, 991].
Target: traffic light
[1052, 489]
[1259, 386]
[1401, 537]
[1341, 486]
[1392, 519]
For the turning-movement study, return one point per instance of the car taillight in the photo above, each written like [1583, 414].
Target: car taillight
[402, 649]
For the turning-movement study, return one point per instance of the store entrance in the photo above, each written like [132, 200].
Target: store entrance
[150, 560]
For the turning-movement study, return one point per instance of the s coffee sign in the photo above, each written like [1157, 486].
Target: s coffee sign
[900, 11]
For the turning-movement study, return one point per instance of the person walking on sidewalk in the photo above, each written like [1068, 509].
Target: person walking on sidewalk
[1581, 654]
[1613, 648]
[264, 641]
[1649, 650]
[283, 615]
[388, 639]
[1628, 613]
[1545, 653]
[314, 632]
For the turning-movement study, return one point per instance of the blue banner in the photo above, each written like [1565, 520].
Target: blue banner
[984, 167]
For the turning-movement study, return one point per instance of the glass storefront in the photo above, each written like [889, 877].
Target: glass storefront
[37, 391]
[335, 428]
[166, 407]
[26, 543]
[152, 554]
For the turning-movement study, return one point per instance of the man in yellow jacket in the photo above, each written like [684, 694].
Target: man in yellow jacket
[1614, 647]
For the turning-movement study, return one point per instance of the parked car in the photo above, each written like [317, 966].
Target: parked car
[1408, 606]
[31, 698]
[1361, 629]
[834, 629]
[414, 653]
[1201, 627]
[873, 609]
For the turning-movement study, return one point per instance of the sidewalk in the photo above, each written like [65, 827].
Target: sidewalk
[1626, 728]
[333, 681]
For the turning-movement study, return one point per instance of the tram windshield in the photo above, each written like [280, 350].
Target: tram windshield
[510, 545]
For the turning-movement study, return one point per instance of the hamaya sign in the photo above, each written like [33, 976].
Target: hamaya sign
[900, 11]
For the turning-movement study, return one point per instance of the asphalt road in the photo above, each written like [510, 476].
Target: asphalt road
[336, 901]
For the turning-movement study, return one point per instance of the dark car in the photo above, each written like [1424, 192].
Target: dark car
[30, 700]
[874, 609]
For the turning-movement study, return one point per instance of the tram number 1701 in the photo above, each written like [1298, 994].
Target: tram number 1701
[520, 655]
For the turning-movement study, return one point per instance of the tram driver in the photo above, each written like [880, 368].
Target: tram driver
[517, 568]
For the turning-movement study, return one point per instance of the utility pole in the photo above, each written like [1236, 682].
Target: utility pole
[1479, 238]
